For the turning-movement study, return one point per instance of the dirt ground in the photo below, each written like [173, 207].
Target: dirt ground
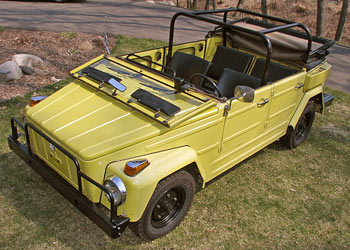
[61, 53]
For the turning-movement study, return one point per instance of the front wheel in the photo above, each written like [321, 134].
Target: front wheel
[167, 207]
[298, 135]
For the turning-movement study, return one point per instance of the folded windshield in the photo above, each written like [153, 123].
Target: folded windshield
[152, 95]
[103, 77]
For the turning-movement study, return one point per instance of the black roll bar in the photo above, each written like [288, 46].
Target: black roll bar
[227, 26]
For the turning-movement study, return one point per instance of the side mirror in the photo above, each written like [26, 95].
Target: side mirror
[244, 93]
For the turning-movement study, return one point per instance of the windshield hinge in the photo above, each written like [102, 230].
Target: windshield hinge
[227, 109]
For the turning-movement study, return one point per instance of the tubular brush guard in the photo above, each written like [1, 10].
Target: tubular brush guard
[113, 225]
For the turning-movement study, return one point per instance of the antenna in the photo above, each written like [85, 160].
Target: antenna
[106, 43]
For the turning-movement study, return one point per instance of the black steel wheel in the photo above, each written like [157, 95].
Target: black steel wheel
[169, 204]
[298, 135]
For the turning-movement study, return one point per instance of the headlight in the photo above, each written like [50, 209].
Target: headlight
[117, 188]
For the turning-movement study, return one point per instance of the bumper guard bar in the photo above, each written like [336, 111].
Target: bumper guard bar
[113, 225]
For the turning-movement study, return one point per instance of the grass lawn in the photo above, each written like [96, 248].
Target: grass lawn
[278, 198]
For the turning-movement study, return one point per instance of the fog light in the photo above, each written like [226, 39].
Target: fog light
[116, 188]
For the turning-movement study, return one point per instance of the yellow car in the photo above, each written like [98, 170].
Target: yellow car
[131, 138]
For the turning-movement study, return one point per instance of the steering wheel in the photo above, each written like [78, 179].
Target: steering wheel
[217, 91]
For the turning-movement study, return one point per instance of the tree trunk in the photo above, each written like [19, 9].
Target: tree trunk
[214, 4]
[264, 7]
[194, 4]
[188, 4]
[207, 4]
[342, 19]
[320, 17]
[240, 3]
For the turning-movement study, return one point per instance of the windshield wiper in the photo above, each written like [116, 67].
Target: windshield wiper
[104, 77]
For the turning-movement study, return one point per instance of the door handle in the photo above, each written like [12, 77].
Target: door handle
[300, 85]
[264, 102]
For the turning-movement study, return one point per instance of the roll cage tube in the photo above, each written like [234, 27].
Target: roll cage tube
[261, 34]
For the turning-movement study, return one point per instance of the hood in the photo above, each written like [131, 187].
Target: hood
[92, 118]
[90, 123]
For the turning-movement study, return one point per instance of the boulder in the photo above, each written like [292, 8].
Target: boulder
[27, 70]
[10, 71]
[28, 60]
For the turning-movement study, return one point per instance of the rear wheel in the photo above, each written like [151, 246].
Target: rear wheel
[167, 207]
[298, 135]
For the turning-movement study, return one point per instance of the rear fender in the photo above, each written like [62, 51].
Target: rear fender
[140, 188]
[311, 94]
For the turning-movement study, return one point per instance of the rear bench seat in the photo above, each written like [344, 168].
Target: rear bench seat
[229, 58]
[276, 71]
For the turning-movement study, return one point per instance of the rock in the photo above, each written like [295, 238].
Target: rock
[86, 46]
[54, 79]
[27, 70]
[10, 71]
[28, 60]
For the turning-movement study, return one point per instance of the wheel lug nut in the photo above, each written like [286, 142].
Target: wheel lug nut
[158, 206]
[175, 199]
[168, 195]
[159, 217]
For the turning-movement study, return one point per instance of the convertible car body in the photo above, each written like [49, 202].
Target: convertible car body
[132, 137]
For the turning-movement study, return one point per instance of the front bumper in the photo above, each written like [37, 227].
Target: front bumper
[113, 225]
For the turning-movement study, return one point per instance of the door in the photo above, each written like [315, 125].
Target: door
[285, 98]
[244, 130]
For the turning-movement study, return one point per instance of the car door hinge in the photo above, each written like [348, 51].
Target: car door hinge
[265, 125]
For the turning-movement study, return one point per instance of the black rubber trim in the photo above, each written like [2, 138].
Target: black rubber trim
[99, 75]
[154, 102]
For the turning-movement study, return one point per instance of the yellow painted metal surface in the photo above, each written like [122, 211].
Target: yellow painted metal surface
[308, 95]
[317, 76]
[104, 131]
[140, 187]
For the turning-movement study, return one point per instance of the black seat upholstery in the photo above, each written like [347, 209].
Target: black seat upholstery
[229, 58]
[186, 65]
[230, 79]
[276, 71]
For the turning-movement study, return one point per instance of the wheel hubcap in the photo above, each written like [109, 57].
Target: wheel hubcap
[168, 207]
[303, 126]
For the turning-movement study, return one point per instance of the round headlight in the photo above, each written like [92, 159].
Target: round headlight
[117, 189]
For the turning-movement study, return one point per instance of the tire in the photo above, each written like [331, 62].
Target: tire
[298, 135]
[167, 207]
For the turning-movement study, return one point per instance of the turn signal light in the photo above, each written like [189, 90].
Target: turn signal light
[132, 168]
[35, 100]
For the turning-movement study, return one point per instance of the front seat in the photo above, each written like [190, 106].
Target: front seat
[186, 65]
[229, 79]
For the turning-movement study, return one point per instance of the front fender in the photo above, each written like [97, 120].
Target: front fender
[140, 188]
